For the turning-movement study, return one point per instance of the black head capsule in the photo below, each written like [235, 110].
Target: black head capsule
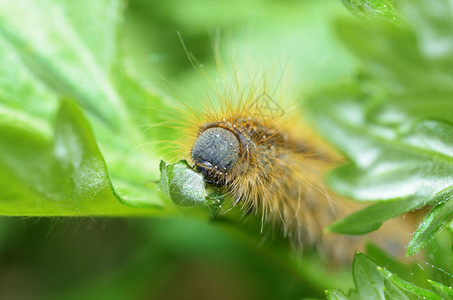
[215, 153]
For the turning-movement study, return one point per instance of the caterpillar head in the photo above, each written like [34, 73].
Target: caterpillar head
[215, 153]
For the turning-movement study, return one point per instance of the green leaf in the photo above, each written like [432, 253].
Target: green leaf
[186, 188]
[436, 219]
[394, 123]
[63, 177]
[407, 271]
[374, 282]
[399, 60]
[367, 279]
[401, 288]
[434, 24]
[19, 91]
[393, 165]
[445, 291]
[360, 222]
[182, 184]
[77, 153]
[374, 9]
[70, 47]
[69, 50]
[387, 162]
[336, 294]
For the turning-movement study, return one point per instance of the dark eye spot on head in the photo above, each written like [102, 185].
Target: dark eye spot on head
[215, 152]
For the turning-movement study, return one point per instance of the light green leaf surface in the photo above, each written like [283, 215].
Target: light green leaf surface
[445, 291]
[69, 49]
[335, 294]
[374, 9]
[394, 123]
[369, 283]
[436, 219]
[400, 289]
[58, 45]
[66, 176]
[182, 184]
[395, 166]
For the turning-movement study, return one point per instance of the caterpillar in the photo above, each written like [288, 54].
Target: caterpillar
[263, 158]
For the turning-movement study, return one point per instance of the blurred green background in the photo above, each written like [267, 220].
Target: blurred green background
[183, 258]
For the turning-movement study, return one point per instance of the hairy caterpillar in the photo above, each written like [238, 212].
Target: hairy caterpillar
[269, 163]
